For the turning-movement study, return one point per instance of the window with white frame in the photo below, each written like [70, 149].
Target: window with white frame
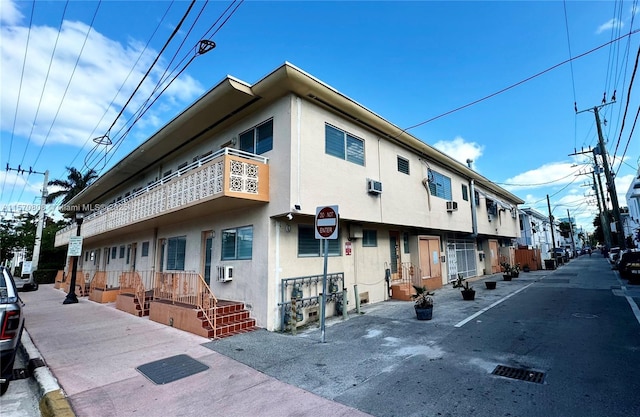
[369, 238]
[258, 139]
[439, 185]
[309, 246]
[237, 243]
[176, 251]
[465, 192]
[145, 249]
[343, 145]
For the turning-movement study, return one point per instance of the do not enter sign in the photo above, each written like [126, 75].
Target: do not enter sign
[327, 222]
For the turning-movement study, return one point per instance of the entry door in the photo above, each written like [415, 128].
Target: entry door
[495, 260]
[394, 251]
[106, 258]
[208, 244]
[134, 253]
[430, 265]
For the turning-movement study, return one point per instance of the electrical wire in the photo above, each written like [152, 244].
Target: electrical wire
[573, 82]
[535, 185]
[133, 67]
[119, 142]
[633, 75]
[628, 141]
[518, 83]
[15, 115]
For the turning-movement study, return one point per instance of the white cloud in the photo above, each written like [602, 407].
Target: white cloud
[86, 111]
[552, 174]
[9, 13]
[613, 23]
[459, 149]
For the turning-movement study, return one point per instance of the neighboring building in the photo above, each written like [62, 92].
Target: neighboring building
[229, 190]
[535, 232]
[632, 222]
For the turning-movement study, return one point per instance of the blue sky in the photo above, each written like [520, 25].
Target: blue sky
[407, 61]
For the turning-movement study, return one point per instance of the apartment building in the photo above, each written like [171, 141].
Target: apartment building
[228, 191]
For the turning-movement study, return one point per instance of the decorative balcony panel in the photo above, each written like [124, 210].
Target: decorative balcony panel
[227, 173]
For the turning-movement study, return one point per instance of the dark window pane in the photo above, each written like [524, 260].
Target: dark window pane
[246, 142]
[308, 245]
[229, 244]
[355, 150]
[264, 137]
[334, 142]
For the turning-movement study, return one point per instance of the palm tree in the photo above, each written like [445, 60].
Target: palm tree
[75, 182]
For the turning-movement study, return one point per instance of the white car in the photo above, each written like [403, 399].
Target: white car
[614, 254]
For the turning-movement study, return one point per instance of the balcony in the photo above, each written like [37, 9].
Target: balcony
[228, 174]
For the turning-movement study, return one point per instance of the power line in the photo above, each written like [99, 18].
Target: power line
[519, 82]
[629, 140]
[633, 75]
[15, 115]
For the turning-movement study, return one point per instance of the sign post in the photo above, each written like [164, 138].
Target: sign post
[326, 223]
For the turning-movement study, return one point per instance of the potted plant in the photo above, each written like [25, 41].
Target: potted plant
[507, 271]
[468, 293]
[423, 303]
[525, 268]
[515, 271]
[491, 285]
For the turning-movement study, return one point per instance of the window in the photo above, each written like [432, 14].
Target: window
[145, 249]
[465, 193]
[369, 238]
[403, 165]
[121, 252]
[476, 197]
[405, 240]
[343, 145]
[237, 243]
[259, 139]
[128, 254]
[176, 249]
[114, 252]
[439, 185]
[86, 256]
[308, 245]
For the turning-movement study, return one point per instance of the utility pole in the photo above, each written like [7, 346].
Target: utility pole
[38, 242]
[38, 239]
[553, 235]
[602, 210]
[573, 242]
[611, 186]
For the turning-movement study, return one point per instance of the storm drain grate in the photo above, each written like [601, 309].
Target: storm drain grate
[519, 373]
[171, 369]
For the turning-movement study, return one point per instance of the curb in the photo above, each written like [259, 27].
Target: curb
[53, 401]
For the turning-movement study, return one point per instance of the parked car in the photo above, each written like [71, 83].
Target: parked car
[614, 254]
[628, 258]
[11, 325]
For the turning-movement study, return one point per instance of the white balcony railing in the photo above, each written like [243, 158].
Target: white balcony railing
[223, 173]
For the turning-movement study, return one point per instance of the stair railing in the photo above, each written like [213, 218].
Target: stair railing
[187, 288]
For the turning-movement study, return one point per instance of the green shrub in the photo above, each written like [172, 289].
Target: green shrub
[45, 276]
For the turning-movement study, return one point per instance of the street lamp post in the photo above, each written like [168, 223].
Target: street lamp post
[72, 298]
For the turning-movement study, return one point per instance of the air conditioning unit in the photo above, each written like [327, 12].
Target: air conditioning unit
[225, 273]
[452, 206]
[514, 214]
[374, 187]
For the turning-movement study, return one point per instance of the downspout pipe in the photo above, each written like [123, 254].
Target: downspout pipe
[472, 197]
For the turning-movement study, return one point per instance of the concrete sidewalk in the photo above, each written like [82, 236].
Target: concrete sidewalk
[92, 352]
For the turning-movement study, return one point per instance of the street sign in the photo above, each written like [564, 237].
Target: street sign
[75, 246]
[327, 222]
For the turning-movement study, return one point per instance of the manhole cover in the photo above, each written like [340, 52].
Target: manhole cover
[519, 373]
[171, 369]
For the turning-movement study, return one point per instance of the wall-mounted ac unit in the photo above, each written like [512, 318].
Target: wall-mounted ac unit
[225, 273]
[374, 187]
[452, 206]
[514, 214]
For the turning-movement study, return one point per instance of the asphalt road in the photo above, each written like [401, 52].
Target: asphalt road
[574, 325]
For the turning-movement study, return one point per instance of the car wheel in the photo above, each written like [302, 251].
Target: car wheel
[3, 387]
